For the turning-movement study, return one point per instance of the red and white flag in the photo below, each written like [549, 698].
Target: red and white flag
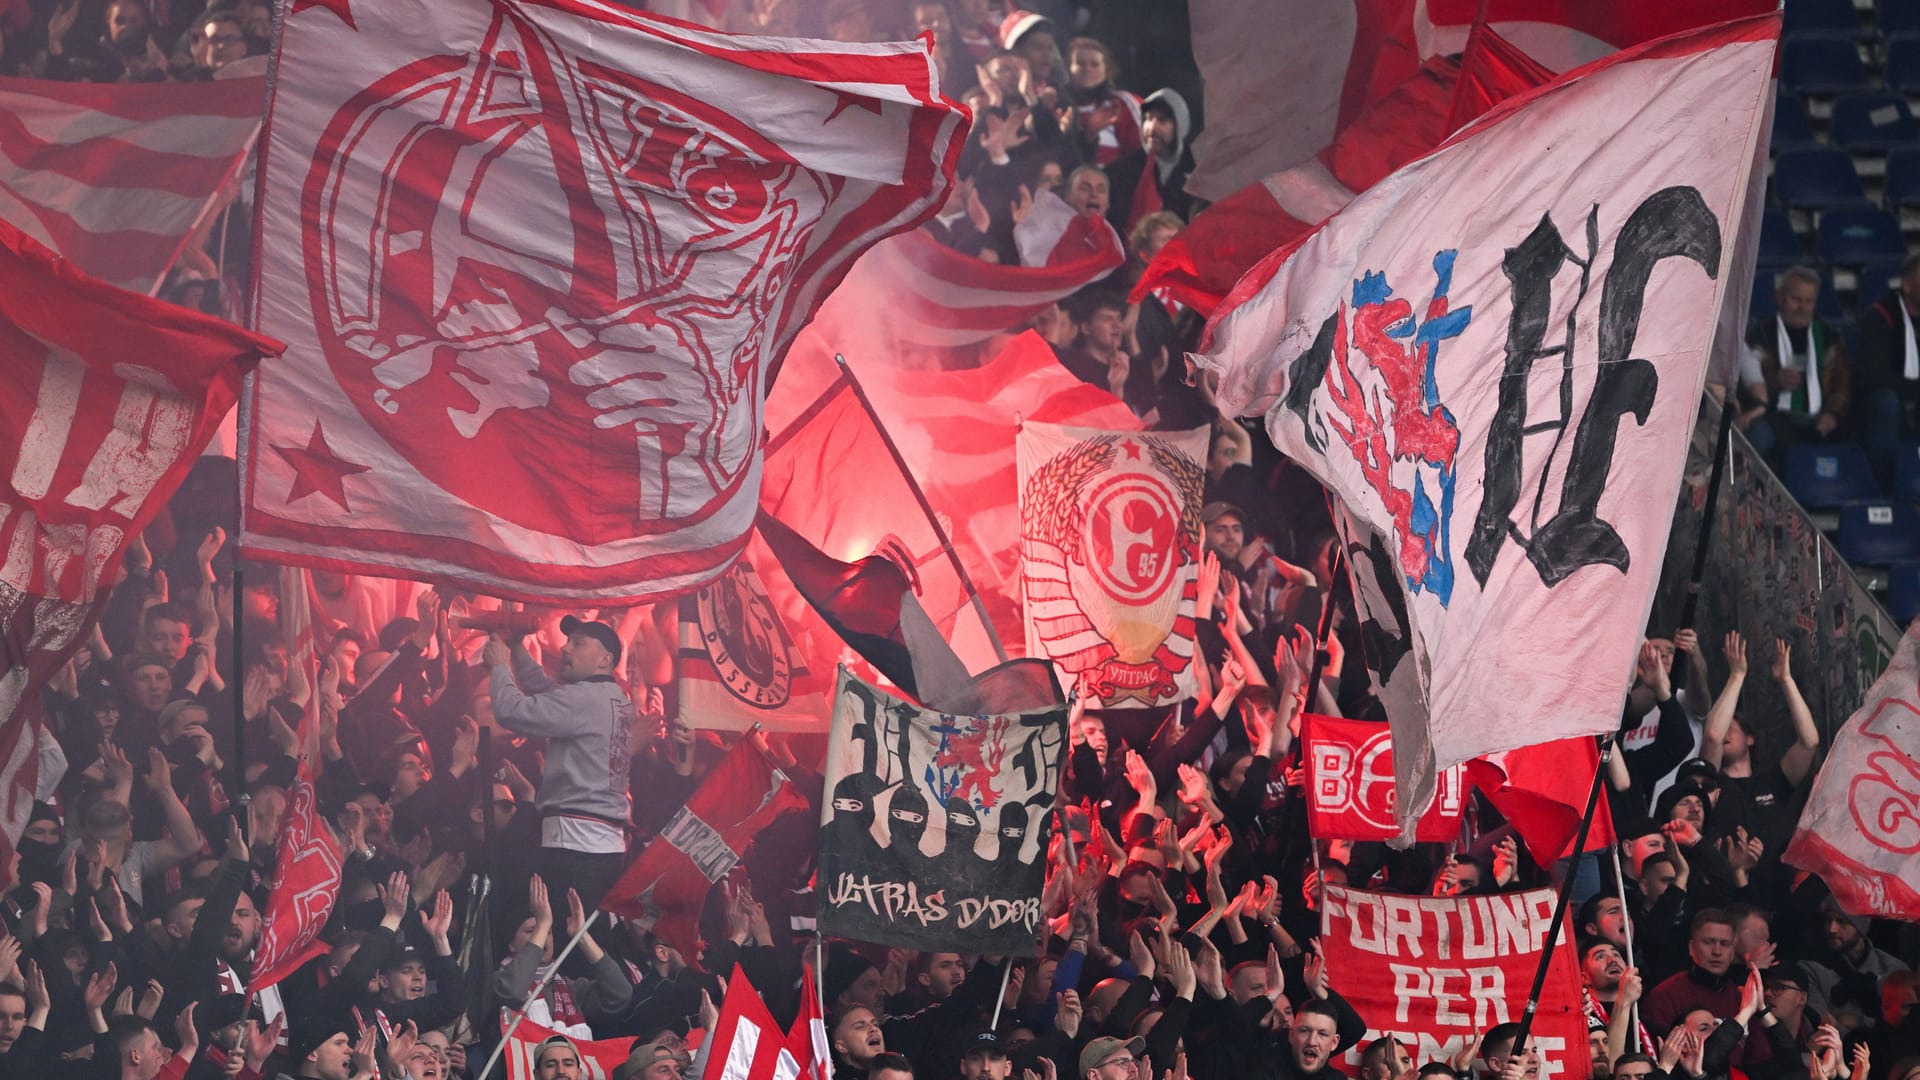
[665, 886]
[304, 889]
[739, 665]
[598, 1057]
[1861, 829]
[1542, 791]
[535, 258]
[114, 176]
[745, 1044]
[808, 1035]
[1494, 358]
[1350, 785]
[106, 398]
[1285, 79]
[1110, 547]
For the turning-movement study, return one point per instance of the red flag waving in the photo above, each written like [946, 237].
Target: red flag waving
[1542, 791]
[106, 400]
[745, 1044]
[115, 176]
[598, 1057]
[305, 887]
[538, 258]
[807, 1038]
[665, 886]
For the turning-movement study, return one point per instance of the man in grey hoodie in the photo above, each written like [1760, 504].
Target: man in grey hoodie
[587, 721]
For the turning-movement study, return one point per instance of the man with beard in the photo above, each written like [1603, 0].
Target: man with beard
[1848, 977]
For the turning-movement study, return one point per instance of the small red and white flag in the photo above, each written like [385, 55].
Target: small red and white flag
[537, 258]
[305, 885]
[106, 399]
[1109, 551]
[114, 176]
[1861, 829]
[1493, 358]
[598, 1057]
[745, 1044]
[664, 887]
[807, 1038]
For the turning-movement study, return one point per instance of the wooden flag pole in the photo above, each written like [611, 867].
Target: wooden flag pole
[966, 580]
[1561, 903]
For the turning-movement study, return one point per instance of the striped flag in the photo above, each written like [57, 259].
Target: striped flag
[598, 1057]
[116, 176]
[747, 1045]
[105, 401]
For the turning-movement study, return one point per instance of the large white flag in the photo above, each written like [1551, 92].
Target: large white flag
[1861, 829]
[1494, 358]
[534, 260]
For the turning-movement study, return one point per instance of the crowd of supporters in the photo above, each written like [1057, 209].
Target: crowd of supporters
[1182, 899]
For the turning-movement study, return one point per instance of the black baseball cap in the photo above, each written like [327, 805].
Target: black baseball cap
[598, 631]
[985, 1043]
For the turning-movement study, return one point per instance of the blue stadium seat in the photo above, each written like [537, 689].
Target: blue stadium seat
[1873, 123]
[1906, 472]
[1903, 591]
[1815, 178]
[1878, 532]
[1903, 177]
[1875, 279]
[1898, 17]
[1779, 244]
[1822, 18]
[1903, 57]
[1764, 303]
[1822, 476]
[1821, 65]
[1857, 235]
[1790, 123]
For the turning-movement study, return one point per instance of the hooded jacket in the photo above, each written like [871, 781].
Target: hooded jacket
[1127, 171]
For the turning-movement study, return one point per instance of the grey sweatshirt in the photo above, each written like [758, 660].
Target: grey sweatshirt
[588, 726]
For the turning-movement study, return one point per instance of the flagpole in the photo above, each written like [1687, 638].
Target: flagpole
[240, 798]
[538, 985]
[1564, 899]
[1006, 975]
[966, 580]
[1626, 922]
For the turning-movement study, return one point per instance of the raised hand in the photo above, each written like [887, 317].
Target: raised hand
[260, 1043]
[396, 896]
[183, 1027]
[150, 998]
[1782, 668]
[1180, 972]
[1736, 648]
[539, 905]
[1631, 987]
[1506, 862]
[1068, 1012]
[100, 987]
[364, 1051]
[36, 989]
[441, 921]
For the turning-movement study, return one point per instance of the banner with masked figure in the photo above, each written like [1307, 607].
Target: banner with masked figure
[934, 835]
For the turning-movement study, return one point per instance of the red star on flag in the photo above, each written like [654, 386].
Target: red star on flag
[338, 7]
[1132, 449]
[316, 468]
[842, 100]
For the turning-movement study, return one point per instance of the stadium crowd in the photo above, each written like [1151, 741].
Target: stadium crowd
[1182, 903]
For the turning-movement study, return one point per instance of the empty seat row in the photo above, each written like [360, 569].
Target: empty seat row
[1828, 476]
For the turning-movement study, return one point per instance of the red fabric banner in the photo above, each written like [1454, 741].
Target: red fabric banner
[304, 889]
[106, 400]
[1542, 791]
[664, 888]
[1436, 972]
[1350, 785]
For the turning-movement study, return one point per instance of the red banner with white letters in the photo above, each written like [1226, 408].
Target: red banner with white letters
[1435, 972]
[1350, 784]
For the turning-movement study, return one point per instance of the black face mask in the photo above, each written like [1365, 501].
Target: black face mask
[39, 860]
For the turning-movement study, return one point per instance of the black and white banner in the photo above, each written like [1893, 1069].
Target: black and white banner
[934, 835]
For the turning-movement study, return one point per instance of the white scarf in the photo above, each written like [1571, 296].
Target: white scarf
[1785, 346]
[1913, 351]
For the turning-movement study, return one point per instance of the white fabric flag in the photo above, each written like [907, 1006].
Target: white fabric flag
[534, 260]
[1861, 829]
[1494, 358]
